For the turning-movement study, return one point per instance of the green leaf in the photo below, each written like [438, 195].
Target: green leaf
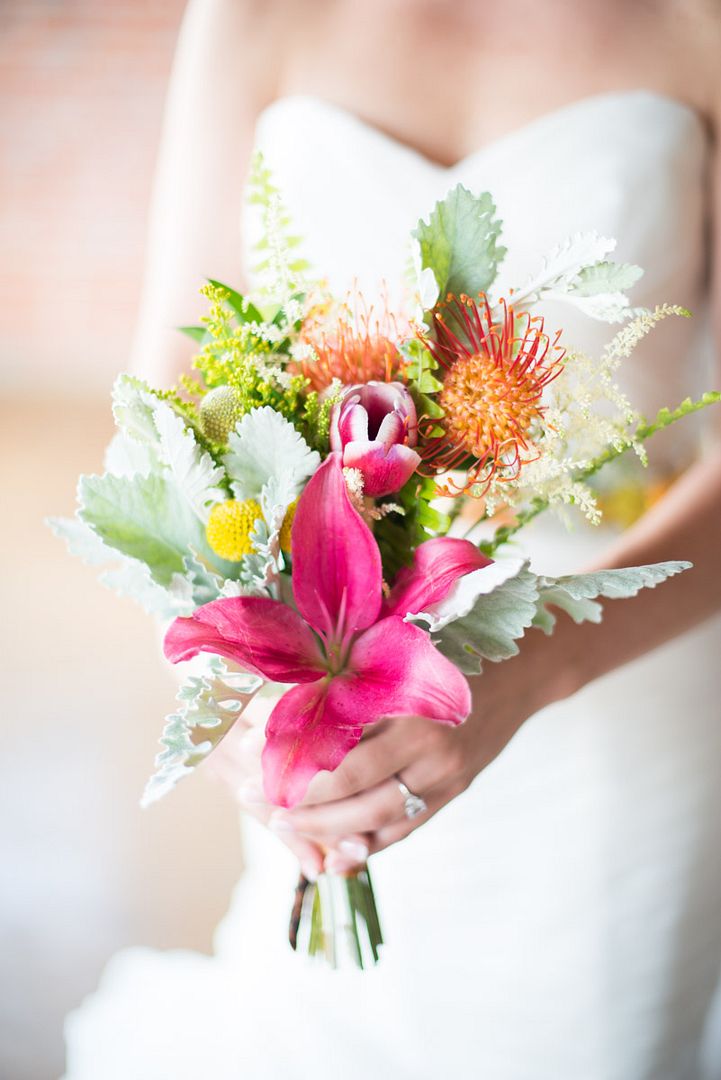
[606, 277]
[243, 308]
[209, 707]
[197, 333]
[144, 517]
[420, 365]
[459, 242]
[576, 594]
[492, 627]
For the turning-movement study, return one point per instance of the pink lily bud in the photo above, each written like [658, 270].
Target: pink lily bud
[374, 426]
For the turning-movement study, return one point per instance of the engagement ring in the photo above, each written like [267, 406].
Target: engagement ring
[413, 805]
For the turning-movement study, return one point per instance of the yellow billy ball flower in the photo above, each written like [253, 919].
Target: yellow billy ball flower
[286, 528]
[220, 410]
[229, 527]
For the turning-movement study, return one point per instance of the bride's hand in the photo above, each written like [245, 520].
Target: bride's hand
[236, 763]
[362, 798]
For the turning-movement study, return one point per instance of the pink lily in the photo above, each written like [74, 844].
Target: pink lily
[353, 656]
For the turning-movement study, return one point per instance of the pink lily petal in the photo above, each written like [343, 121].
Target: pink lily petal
[263, 636]
[336, 563]
[385, 468]
[396, 670]
[304, 734]
[437, 565]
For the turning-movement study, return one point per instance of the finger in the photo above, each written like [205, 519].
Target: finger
[347, 854]
[399, 830]
[368, 811]
[383, 752]
[308, 854]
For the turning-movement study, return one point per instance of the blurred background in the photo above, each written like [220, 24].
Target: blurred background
[83, 870]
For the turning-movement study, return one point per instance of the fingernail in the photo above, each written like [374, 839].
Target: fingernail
[279, 822]
[309, 872]
[354, 848]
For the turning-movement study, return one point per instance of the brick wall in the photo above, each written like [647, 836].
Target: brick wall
[81, 91]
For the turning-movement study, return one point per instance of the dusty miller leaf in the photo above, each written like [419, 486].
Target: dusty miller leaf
[133, 405]
[193, 469]
[606, 277]
[577, 594]
[129, 577]
[492, 627]
[577, 272]
[459, 242]
[81, 540]
[209, 705]
[265, 446]
[143, 517]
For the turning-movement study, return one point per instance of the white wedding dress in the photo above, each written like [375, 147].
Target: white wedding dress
[561, 920]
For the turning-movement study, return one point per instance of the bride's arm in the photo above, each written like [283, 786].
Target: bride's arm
[362, 796]
[225, 70]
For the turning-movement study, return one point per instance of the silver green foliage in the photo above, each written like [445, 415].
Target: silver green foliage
[265, 447]
[606, 277]
[195, 473]
[459, 242]
[143, 517]
[127, 576]
[498, 619]
[268, 460]
[578, 272]
[209, 706]
[493, 626]
[163, 442]
[577, 594]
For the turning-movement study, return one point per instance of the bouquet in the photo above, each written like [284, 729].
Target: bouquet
[296, 505]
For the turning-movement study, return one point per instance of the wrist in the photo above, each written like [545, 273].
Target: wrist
[546, 669]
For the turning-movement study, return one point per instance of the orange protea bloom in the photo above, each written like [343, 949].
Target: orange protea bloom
[493, 374]
[358, 346]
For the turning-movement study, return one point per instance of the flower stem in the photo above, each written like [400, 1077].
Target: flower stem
[337, 920]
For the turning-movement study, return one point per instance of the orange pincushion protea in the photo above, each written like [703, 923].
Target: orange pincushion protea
[357, 348]
[494, 376]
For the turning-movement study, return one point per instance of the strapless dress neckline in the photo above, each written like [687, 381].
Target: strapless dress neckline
[617, 99]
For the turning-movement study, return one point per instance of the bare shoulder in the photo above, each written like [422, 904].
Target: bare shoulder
[263, 22]
[693, 32]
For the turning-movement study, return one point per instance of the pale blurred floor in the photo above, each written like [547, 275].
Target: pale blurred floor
[84, 690]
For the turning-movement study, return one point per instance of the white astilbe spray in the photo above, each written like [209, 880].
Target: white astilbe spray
[586, 414]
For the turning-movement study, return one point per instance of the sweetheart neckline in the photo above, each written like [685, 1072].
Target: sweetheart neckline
[618, 97]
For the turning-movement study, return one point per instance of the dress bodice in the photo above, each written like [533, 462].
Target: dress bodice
[630, 165]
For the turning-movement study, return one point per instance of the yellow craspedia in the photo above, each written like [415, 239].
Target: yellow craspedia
[286, 528]
[220, 410]
[229, 527]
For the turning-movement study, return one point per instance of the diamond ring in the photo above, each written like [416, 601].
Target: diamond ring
[413, 805]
